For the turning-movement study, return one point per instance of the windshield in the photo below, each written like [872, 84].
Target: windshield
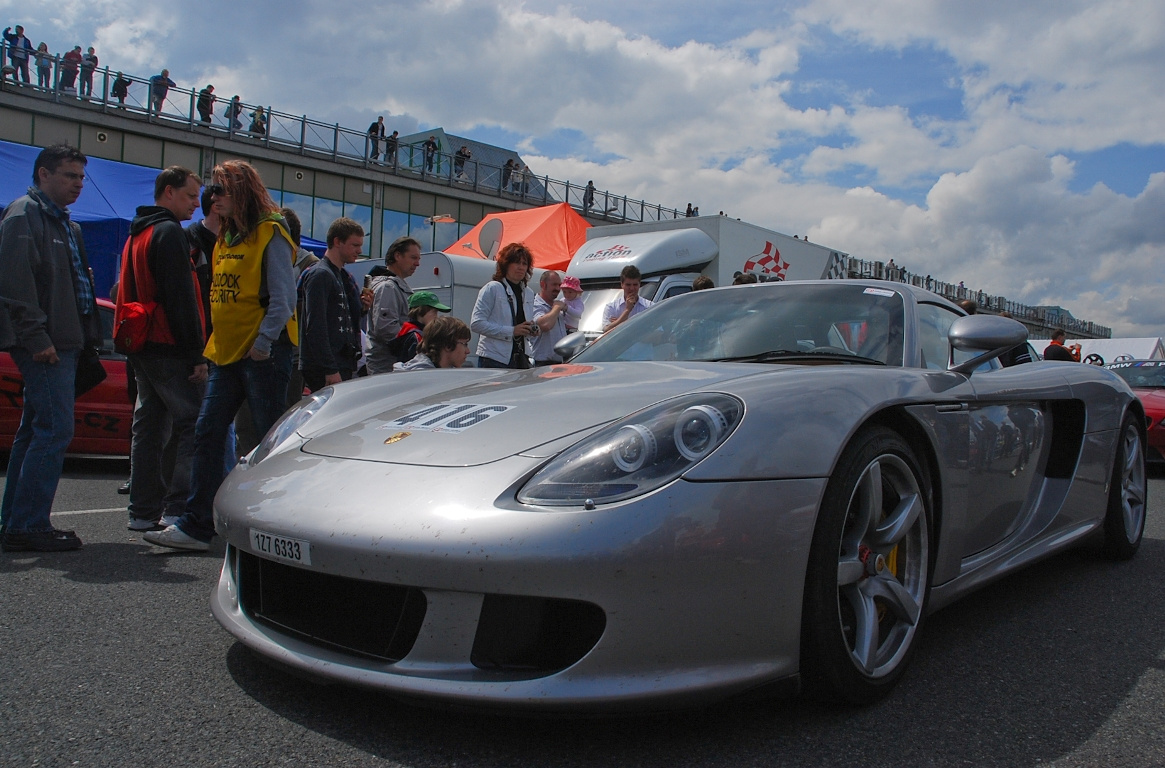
[1146, 374]
[595, 299]
[773, 322]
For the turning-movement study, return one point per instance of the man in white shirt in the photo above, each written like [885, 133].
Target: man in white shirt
[549, 317]
[621, 310]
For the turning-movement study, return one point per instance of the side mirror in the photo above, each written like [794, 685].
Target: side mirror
[990, 335]
[570, 345]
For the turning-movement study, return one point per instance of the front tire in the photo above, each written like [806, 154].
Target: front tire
[869, 571]
[1124, 520]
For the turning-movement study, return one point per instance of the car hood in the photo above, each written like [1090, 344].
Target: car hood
[465, 418]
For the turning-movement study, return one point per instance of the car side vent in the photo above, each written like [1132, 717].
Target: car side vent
[1067, 437]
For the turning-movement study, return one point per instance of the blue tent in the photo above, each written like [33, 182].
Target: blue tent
[111, 195]
[112, 192]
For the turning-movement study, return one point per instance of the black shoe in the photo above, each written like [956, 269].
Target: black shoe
[40, 541]
[123, 489]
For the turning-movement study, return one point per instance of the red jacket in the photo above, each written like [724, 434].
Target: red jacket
[158, 253]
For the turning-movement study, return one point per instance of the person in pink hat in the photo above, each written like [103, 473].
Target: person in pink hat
[572, 293]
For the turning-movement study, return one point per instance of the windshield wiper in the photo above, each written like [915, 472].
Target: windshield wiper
[791, 354]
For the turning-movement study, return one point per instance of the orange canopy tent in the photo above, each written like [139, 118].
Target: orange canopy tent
[552, 233]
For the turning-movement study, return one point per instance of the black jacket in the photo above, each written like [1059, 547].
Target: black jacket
[202, 242]
[175, 284]
[329, 319]
[37, 295]
[1058, 352]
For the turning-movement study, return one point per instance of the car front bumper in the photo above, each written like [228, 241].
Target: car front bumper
[699, 584]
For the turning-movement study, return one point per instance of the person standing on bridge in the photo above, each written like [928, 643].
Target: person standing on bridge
[19, 51]
[430, 147]
[160, 85]
[252, 307]
[48, 314]
[70, 66]
[89, 64]
[206, 99]
[375, 136]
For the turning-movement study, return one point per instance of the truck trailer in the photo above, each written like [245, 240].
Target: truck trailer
[671, 254]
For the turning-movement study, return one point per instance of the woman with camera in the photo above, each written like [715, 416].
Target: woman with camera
[503, 316]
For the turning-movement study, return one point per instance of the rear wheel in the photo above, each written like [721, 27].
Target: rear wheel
[1124, 521]
[869, 571]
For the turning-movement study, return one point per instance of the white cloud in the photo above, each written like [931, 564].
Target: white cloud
[1069, 66]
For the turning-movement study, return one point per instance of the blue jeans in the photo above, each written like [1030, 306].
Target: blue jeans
[38, 450]
[263, 385]
[166, 396]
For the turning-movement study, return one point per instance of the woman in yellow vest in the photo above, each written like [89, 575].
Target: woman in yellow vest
[252, 312]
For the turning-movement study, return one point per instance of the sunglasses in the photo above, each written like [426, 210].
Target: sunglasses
[216, 189]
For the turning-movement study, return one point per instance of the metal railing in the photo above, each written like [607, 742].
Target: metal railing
[332, 141]
[1040, 316]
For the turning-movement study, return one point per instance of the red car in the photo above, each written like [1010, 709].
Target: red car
[1147, 379]
[103, 415]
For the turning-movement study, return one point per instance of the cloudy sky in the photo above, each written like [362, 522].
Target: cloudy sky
[1018, 146]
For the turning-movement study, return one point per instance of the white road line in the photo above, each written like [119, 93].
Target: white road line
[89, 511]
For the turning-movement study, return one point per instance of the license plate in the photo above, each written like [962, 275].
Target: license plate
[292, 550]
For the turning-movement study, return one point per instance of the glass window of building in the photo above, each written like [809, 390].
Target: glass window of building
[326, 211]
[445, 235]
[422, 230]
[362, 215]
[396, 224]
[302, 205]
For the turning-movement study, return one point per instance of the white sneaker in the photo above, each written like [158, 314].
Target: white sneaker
[174, 538]
[167, 520]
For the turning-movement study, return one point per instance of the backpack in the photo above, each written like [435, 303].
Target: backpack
[132, 319]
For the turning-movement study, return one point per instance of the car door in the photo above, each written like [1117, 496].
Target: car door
[1007, 424]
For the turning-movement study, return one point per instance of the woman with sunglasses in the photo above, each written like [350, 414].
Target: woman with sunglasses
[252, 308]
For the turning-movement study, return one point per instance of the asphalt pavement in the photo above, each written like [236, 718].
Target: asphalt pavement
[110, 656]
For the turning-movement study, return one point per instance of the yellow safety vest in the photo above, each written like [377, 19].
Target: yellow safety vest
[235, 309]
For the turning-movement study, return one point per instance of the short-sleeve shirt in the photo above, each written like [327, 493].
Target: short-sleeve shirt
[615, 308]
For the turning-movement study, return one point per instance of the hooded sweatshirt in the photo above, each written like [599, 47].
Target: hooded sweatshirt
[390, 311]
[163, 272]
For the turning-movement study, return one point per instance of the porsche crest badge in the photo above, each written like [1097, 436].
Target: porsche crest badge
[396, 438]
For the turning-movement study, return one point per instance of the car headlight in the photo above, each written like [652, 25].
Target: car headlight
[637, 454]
[288, 424]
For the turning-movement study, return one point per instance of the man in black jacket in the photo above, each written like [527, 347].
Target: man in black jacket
[375, 136]
[206, 99]
[156, 267]
[47, 315]
[1058, 351]
[329, 310]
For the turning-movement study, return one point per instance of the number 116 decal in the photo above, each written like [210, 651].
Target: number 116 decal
[447, 417]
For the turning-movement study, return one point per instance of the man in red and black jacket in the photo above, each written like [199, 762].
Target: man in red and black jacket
[156, 268]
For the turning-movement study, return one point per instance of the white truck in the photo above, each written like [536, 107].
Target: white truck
[671, 254]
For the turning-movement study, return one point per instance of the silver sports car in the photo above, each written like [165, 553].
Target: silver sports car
[739, 490]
